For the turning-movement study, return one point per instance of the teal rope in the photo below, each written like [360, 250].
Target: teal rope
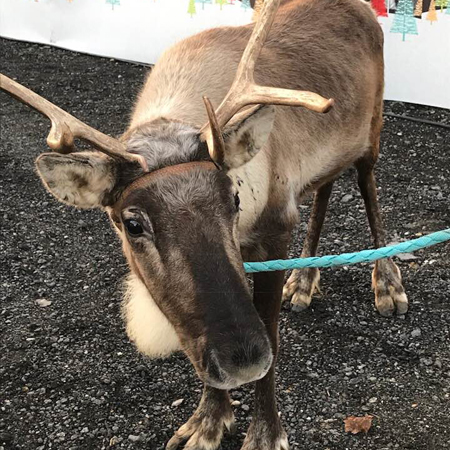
[346, 259]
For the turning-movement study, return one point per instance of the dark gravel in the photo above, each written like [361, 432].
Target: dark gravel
[69, 378]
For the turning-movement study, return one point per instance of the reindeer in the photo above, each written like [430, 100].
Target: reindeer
[190, 201]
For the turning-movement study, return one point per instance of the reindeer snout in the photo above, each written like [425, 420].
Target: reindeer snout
[239, 362]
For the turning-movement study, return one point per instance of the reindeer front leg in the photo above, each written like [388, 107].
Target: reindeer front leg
[265, 431]
[204, 430]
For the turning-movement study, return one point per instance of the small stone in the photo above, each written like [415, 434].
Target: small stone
[245, 407]
[438, 363]
[43, 303]
[178, 402]
[406, 257]
[426, 361]
[373, 400]
[134, 438]
[235, 403]
[346, 198]
[416, 333]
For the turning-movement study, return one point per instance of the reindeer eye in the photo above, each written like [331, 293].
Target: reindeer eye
[133, 227]
[237, 201]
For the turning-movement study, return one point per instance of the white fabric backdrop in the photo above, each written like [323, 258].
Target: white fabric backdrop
[417, 68]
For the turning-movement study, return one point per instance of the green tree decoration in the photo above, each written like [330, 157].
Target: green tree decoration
[442, 4]
[203, 2]
[419, 9]
[245, 4]
[191, 8]
[113, 3]
[404, 21]
[222, 2]
[432, 16]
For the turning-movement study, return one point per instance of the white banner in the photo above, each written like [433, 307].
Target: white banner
[417, 35]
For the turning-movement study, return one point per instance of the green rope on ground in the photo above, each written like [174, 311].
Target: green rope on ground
[346, 259]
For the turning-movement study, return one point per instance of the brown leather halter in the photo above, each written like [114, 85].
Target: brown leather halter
[176, 169]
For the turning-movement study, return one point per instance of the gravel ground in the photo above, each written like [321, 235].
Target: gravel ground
[69, 378]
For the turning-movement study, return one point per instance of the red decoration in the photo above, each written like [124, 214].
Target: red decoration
[380, 7]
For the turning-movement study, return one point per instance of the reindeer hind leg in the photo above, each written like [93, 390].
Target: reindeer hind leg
[386, 278]
[302, 283]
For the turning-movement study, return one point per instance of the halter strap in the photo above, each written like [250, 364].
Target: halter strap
[167, 171]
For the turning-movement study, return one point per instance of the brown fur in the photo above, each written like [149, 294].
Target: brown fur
[338, 54]
[188, 255]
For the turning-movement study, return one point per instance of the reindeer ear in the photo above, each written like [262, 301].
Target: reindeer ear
[79, 179]
[246, 134]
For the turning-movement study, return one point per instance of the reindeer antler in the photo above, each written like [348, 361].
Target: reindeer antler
[65, 127]
[244, 91]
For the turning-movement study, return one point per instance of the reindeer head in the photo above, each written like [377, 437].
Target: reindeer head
[166, 190]
[178, 225]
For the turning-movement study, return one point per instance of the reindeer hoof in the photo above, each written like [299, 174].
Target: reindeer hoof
[261, 441]
[201, 432]
[300, 287]
[390, 296]
[300, 302]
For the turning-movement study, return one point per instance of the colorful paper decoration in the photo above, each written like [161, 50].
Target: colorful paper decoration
[442, 4]
[203, 2]
[432, 16]
[380, 7]
[191, 8]
[222, 2]
[404, 20]
[113, 3]
[418, 9]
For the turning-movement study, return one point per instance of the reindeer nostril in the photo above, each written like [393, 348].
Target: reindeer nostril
[246, 361]
[247, 355]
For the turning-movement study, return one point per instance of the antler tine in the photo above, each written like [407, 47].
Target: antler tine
[245, 92]
[216, 134]
[65, 128]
